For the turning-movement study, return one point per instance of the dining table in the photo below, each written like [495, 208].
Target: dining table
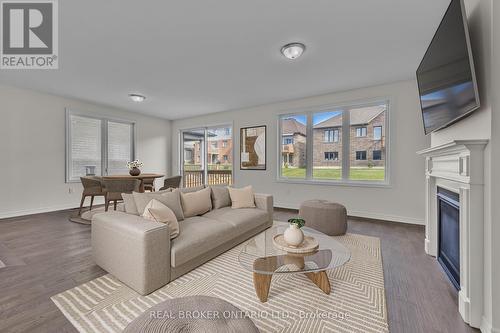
[142, 177]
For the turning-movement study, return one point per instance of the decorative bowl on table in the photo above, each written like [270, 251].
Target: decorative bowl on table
[310, 244]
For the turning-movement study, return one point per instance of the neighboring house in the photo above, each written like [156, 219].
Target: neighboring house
[293, 143]
[220, 148]
[367, 137]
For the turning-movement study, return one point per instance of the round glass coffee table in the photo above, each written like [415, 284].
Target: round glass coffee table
[260, 256]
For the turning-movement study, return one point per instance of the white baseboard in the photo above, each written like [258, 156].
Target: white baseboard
[486, 327]
[31, 211]
[368, 215]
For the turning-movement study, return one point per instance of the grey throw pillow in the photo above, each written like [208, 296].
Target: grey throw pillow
[170, 199]
[220, 197]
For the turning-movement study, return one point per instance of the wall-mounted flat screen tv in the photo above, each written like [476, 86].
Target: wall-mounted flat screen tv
[446, 78]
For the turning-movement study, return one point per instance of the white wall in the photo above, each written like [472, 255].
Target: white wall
[407, 169]
[479, 126]
[494, 235]
[32, 149]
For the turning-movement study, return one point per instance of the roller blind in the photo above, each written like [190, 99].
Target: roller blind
[120, 147]
[97, 146]
[86, 146]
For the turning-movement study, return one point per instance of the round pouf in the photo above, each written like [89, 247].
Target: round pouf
[192, 314]
[328, 217]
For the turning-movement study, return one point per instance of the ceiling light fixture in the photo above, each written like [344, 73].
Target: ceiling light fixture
[137, 97]
[293, 50]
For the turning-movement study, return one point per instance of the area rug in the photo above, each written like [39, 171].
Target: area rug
[356, 303]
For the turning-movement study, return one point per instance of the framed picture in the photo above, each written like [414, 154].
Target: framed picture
[253, 148]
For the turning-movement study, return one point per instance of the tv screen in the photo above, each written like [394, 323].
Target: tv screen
[446, 78]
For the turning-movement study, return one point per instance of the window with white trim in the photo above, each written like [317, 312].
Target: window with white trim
[347, 145]
[360, 132]
[332, 135]
[97, 146]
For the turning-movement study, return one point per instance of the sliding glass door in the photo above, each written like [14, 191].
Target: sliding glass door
[207, 156]
[193, 162]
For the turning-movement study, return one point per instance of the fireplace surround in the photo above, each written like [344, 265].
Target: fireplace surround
[458, 167]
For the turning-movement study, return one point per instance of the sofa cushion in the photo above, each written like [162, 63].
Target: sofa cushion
[129, 202]
[192, 189]
[243, 219]
[196, 203]
[242, 197]
[156, 211]
[220, 197]
[170, 199]
[197, 236]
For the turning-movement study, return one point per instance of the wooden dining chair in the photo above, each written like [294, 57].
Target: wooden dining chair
[149, 184]
[92, 187]
[171, 182]
[115, 187]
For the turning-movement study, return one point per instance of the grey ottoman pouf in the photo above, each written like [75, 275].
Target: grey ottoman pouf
[192, 314]
[328, 217]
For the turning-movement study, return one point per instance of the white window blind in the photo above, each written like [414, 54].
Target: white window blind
[120, 147]
[97, 146]
[86, 144]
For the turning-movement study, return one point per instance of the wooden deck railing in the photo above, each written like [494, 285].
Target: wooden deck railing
[215, 177]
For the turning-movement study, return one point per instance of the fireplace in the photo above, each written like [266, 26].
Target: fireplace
[449, 234]
[458, 166]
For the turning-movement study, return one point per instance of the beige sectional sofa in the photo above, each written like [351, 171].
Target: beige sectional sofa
[141, 254]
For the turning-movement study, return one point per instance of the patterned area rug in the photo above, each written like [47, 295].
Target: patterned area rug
[355, 304]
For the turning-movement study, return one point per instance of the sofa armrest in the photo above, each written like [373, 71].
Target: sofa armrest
[133, 249]
[265, 202]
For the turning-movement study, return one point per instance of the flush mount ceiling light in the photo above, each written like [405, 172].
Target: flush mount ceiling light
[293, 50]
[137, 97]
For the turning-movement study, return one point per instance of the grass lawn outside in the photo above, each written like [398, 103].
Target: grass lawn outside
[330, 173]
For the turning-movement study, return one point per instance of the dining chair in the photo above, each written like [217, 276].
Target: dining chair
[149, 184]
[172, 182]
[115, 187]
[92, 187]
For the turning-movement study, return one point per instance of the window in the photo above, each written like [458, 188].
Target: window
[201, 163]
[332, 135]
[360, 132]
[293, 150]
[335, 153]
[120, 147]
[361, 155]
[331, 156]
[97, 146]
[377, 132]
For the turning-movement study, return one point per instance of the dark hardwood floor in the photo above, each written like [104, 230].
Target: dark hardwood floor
[52, 254]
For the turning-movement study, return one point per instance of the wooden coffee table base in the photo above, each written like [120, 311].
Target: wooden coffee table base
[262, 283]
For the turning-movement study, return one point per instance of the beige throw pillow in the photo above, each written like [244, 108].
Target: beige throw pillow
[129, 203]
[170, 199]
[196, 203]
[242, 197]
[156, 211]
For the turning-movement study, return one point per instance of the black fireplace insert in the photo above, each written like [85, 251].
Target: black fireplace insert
[449, 234]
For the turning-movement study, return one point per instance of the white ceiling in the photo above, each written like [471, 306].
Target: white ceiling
[195, 57]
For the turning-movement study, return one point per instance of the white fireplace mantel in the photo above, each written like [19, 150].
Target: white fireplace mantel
[458, 166]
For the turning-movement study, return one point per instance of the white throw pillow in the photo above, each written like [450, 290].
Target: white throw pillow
[242, 197]
[196, 203]
[156, 211]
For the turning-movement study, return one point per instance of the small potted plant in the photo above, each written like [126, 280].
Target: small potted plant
[134, 167]
[293, 235]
